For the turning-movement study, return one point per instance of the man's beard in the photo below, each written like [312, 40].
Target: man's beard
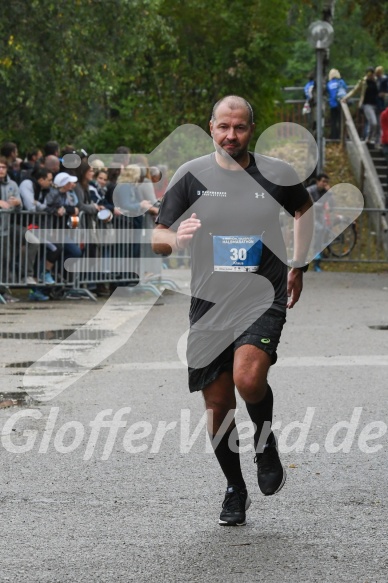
[236, 155]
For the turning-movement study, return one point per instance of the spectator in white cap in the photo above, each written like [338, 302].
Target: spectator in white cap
[62, 200]
[64, 179]
[62, 204]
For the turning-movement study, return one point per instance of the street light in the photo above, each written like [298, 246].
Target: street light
[320, 37]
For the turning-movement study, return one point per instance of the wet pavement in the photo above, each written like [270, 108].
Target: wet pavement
[86, 498]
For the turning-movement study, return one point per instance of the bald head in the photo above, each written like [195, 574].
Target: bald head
[233, 102]
[52, 163]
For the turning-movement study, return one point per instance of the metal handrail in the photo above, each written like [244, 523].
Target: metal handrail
[364, 170]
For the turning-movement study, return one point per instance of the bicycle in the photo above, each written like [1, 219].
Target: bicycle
[338, 237]
[342, 236]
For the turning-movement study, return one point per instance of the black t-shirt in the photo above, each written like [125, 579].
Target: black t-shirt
[371, 92]
[240, 229]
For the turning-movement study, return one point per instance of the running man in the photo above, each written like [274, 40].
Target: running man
[223, 207]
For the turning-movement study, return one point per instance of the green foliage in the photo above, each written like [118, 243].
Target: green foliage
[374, 17]
[362, 48]
[103, 73]
[201, 52]
[130, 71]
[59, 60]
[355, 46]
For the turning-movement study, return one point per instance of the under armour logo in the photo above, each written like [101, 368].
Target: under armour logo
[257, 195]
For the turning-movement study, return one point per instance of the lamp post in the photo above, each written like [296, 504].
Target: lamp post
[320, 37]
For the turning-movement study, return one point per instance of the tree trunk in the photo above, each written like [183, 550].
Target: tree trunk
[328, 10]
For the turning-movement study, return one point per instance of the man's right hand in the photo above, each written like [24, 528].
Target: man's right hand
[186, 231]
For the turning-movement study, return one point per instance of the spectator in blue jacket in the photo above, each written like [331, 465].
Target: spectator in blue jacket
[337, 89]
[308, 88]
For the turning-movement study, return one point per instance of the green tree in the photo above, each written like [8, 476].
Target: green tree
[201, 52]
[354, 47]
[374, 18]
[59, 60]
[106, 73]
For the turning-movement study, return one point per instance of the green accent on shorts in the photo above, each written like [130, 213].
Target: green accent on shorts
[265, 340]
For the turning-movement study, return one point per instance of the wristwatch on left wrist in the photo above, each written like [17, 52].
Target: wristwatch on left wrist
[296, 265]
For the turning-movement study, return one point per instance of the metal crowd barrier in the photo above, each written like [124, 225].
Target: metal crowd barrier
[68, 260]
[68, 257]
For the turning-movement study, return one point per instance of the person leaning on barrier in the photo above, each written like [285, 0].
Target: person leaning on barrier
[33, 192]
[10, 151]
[120, 160]
[126, 195]
[84, 190]
[146, 190]
[128, 202]
[101, 180]
[98, 189]
[128, 211]
[61, 204]
[144, 185]
[61, 200]
[10, 203]
[85, 175]
[34, 189]
[10, 197]
[105, 232]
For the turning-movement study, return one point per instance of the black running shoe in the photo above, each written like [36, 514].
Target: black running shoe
[270, 473]
[235, 504]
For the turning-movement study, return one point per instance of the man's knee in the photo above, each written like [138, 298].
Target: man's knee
[250, 373]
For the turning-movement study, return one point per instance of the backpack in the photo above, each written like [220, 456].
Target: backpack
[341, 91]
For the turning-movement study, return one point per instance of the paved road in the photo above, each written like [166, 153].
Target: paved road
[81, 504]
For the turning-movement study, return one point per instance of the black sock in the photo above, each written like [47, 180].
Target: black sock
[261, 415]
[229, 459]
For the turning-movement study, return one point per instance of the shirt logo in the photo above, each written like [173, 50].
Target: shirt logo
[211, 193]
[259, 195]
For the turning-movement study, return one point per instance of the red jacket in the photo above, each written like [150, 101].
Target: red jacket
[384, 126]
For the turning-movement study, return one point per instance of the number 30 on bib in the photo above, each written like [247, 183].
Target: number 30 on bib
[237, 253]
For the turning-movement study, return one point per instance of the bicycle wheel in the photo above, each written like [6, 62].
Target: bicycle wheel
[343, 244]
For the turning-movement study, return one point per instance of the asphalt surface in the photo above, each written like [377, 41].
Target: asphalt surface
[80, 506]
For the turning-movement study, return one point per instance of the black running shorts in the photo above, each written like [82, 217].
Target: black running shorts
[264, 333]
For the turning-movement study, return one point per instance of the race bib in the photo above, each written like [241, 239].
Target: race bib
[237, 253]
